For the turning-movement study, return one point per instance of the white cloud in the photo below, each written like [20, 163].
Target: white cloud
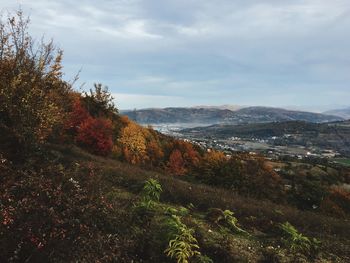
[242, 50]
[132, 101]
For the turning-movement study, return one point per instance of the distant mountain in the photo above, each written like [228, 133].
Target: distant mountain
[178, 115]
[334, 135]
[214, 115]
[344, 113]
[264, 130]
[269, 114]
[222, 107]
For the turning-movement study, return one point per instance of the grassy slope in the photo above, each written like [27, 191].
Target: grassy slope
[258, 217]
[343, 161]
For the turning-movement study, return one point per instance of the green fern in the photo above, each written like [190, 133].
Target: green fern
[151, 192]
[232, 221]
[184, 245]
[297, 241]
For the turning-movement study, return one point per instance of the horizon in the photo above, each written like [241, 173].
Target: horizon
[228, 106]
[178, 53]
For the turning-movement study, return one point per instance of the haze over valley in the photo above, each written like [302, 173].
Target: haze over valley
[270, 131]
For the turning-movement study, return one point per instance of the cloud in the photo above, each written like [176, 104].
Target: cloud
[137, 101]
[272, 52]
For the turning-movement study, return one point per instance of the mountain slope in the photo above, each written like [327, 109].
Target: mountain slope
[179, 115]
[109, 224]
[214, 115]
[334, 135]
[269, 114]
[344, 113]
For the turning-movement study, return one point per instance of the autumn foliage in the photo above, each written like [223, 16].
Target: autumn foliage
[133, 143]
[33, 96]
[55, 208]
[96, 135]
[77, 116]
[176, 164]
[337, 202]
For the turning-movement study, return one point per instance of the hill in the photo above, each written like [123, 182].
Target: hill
[344, 113]
[88, 208]
[334, 135]
[214, 115]
[269, 114]
[81, 183]
[178, 115]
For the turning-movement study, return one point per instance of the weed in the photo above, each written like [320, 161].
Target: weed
[151, 192]
[232, 222]
[184, 245]
[296, 241]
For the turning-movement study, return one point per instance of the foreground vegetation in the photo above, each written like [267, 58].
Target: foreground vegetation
[87, 208]
[80, 183]
[343, 161]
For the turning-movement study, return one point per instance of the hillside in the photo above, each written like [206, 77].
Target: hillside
[334, 136]
[178, 115]
[109, 222]
[214, 115]
[268, 114]
[81, 183]
[264, 130]
[344, 113]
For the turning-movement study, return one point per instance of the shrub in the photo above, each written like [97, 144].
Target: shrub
[133, 143]
[99, 102]
[76, 117]
[232, 222]
[176, 164]
[49, 216]
[184, 245]
[33, 95]
[337, 203]
[151, 192]
[96, 136]
[296, 241]
[226, 218]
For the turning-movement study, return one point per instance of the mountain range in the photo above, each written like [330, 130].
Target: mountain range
[344, 113]
[214, 115]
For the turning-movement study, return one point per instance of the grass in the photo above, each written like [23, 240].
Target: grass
[343, 161]
[255, 216]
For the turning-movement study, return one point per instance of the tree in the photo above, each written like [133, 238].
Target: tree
[176, 164]
[189, 154]
[76, 117]
[154, 152]
[33, 95]
[133, 143]
[99, 102]
[96, 135]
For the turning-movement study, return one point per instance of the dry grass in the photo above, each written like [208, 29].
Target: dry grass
[253, 214]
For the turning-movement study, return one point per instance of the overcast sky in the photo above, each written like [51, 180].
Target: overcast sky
[158, 53]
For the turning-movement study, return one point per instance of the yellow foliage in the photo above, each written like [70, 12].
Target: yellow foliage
[214, 158]
[133, 143]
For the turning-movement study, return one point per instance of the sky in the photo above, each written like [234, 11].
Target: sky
[161, 53]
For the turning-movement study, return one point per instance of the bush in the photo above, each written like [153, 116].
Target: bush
[76, 117]
[151, 192]
[184, 245]
[96, 136]
[99, 102]
[296, 241]
[49, 216]
[33, 95]
[176, 164]
[337, 203]
[232, 222]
